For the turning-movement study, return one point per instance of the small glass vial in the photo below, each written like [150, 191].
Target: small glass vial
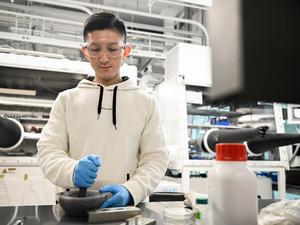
[201, 211]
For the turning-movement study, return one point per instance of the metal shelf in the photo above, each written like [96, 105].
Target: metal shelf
[32, 136]
[212, 126]
[195, 111]
[24, 161]
[33, 119]
[26, 102]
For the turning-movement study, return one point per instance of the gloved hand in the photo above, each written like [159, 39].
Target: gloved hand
[120, 196]
[85, 171]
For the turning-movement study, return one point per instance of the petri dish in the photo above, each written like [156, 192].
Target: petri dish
[178, 215]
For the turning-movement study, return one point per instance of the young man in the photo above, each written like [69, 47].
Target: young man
[106, 132]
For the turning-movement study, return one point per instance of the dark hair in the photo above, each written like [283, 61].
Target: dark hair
[102, 21]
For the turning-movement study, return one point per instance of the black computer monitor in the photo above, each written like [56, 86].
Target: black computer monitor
[255, 50]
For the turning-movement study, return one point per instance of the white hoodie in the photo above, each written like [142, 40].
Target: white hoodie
[120, 123]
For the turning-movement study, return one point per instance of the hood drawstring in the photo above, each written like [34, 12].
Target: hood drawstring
[114, 117]
[114, 105]
[100, 100]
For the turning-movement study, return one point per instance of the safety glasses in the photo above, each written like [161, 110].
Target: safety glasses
[95, 51]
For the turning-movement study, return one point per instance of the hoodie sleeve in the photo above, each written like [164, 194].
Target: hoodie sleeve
[153, 161]
[53, 156]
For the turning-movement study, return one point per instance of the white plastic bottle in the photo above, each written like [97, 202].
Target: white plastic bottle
[232, 188]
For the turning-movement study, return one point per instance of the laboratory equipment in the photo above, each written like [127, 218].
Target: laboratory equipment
[11, 133]
[113, 214]
[257, 140]
[74, 203]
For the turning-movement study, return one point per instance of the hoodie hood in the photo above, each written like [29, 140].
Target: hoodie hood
[125, 85]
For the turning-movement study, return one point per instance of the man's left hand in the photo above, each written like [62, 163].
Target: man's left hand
[120, 196]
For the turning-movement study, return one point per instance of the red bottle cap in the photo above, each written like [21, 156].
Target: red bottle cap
[231, 152]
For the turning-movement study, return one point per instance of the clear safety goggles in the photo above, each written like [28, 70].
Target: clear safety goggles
[94, 51]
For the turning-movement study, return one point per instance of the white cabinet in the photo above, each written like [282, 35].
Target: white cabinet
[191, 62]
[23, 183]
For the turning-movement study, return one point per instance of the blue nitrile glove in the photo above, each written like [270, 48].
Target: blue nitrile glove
[120, 196]
[85, 171]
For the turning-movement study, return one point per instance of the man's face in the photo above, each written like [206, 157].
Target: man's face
[105, 50]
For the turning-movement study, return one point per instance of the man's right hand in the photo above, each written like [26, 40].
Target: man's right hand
[85, 171]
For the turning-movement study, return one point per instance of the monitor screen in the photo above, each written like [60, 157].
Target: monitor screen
[255, 50]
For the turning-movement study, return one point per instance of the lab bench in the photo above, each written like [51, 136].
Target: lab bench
[54, 215]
